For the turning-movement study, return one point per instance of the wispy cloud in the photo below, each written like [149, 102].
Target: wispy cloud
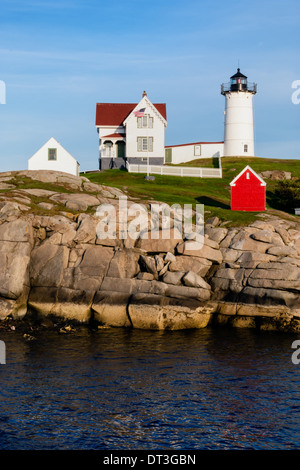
[65, 62]
[16, 5]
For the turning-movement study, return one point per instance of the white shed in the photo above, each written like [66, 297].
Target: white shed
[53, 156]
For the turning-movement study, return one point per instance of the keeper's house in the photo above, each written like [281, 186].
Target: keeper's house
[131, 132]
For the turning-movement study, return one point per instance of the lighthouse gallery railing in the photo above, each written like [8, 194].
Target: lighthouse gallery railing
[251, 87]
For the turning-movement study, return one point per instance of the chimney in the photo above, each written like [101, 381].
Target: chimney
[144, 94]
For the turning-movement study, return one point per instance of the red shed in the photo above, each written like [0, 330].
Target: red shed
[248, 191]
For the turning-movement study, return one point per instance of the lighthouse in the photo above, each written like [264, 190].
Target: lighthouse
[238, 122]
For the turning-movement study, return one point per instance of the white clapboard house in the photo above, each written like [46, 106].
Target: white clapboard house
[131, 132]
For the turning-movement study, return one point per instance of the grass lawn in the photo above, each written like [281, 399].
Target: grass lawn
[200, 162]
[23, 182]
[214, 193]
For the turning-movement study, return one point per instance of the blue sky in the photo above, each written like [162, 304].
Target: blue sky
[59, 58]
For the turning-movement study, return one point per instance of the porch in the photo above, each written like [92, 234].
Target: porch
[113, 146]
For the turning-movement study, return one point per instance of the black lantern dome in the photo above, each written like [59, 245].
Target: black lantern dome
[238, 82]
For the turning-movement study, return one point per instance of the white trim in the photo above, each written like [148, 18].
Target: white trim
[193, 143]
[263, 183]
[147, 104]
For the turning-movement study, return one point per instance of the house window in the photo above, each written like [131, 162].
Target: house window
[108, 147]
[145, 121]
[245, 148]
[247, 175]
[145, 144]
[52, 154]
[197, 150]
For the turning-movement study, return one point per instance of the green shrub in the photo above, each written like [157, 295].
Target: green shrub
[287, 193]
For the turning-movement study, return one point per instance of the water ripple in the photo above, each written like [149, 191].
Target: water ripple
[130, 389]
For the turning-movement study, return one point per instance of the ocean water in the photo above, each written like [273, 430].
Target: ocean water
[129, 389]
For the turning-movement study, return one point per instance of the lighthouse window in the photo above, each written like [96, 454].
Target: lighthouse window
[246, 148]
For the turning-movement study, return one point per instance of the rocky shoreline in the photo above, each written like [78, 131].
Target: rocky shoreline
[55, 268]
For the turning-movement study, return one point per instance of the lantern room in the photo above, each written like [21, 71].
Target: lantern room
[238, 82]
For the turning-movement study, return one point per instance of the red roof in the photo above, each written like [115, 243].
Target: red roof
[115, 136]
[194, 143]
[114, 114]
[242, 173]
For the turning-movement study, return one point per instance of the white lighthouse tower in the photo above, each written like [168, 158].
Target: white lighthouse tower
[238, 123]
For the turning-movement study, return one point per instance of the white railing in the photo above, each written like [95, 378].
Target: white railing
[107, 152]
[175, 170]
